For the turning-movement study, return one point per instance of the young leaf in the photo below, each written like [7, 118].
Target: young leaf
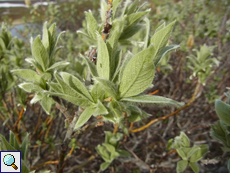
[199, 153]
[103, 64]
[46, 103]
[160, 39]
[100, 109]
[194, 167]
[92, 26]
[132, 8]
[108, 86]
[84, 117]
[152, 99]
[104, 165]
[90, 65]
[183, 152]
[73, 99]
[165, 51]
[147, 36]
[76, 84]
[58, 65]
[40, 54]
[29, 87]
[28, 75]
[97, 92]
[181, 166]
[135, 17]
[223, 111]
[45, 37]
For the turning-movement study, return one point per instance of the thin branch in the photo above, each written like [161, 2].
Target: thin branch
[194, 96]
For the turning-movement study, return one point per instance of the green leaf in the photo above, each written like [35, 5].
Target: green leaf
[138, 74]
[76, 84]
[29, 87]
[194, 167]
[223, 111]
[45, 37]
[58, 65]
[116, 3]
[132, 8]
[165, 51]
[131, 31]
[5, 145]
[56, 87]
[104, 165]
[124, 153]
[218, 133]
[136, 114]
[91, 66]
[108, 86]
[24, 168]
[183, 152]
[160, 39]
[85, 36]
[28, 75]
[127, 58]
[84, 117]
[46, 103]
[103, 153]
[40, 54]
[135, 17]
[97, 92]
[68, 90]
[152, 99]
[109, 147]
[160, 27]
[24, 146]
[103, 10]
[100, 109]
[199, 153]
[181, 166]
[75, 100]
[92, 26]
[103, 64]
[147, 36]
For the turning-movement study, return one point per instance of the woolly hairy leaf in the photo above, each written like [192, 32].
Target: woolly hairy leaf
[58, 65]
[108, 86]
[29, 87]
[138, 74]
[125, 61]
[84, 117]
[160, 27]
[165, 51]
[68, 90]
[130, 31]
[181, 166]
[45, 37]
[97, 92]
[103, 64]
[28, 75]
[132, 8]
[100, 109]
[40, 54]
[194, 167]
[92, 26]
[75, 100]
[135, 17]
[90, 65]
[76, 84]
[203, 149]
[152, 99]
[160, 39]
[46, 103]
[56, 87]
[147, 37]
[36, 98]
[116, 3]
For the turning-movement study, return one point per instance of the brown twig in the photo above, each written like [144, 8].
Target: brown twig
[194, 96]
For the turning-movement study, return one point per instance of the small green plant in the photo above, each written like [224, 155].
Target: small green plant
[190, 155]
[113, 87]
[202, 65]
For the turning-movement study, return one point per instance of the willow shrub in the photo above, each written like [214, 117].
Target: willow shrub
[116, 78]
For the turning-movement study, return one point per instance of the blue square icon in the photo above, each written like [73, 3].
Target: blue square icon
[10, 161]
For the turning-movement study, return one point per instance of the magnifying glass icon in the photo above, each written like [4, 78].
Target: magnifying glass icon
[9, 160]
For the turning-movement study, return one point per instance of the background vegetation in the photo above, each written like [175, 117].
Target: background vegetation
[197, 73]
